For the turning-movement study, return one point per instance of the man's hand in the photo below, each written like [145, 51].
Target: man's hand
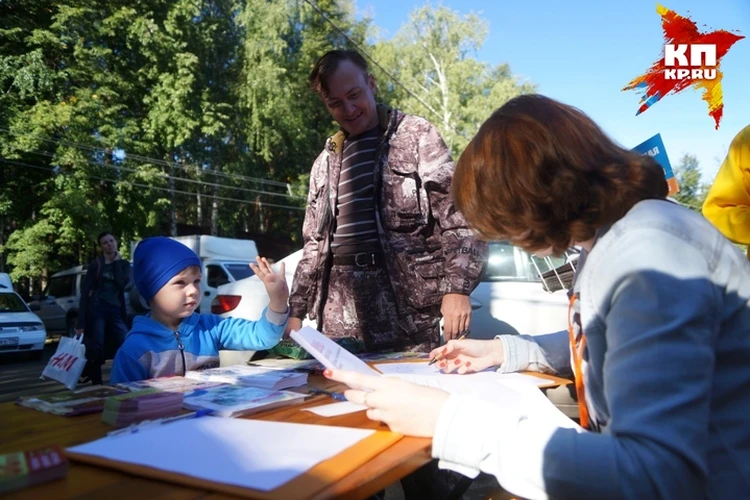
[456, 311]
[292, 325]
[275, 284]
[79, 331]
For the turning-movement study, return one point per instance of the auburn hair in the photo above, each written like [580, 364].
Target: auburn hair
[542, 174]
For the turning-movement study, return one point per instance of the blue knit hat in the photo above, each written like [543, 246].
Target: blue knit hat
[156, 261]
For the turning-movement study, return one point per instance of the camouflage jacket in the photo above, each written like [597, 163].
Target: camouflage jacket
[429, 249]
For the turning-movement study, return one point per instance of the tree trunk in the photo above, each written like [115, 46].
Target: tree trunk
[172, 213]
[443, 84]
[2, 242]
[198, 201]
[259, 209]
[215, 213]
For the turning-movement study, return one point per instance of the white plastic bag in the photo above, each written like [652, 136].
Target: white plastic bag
[68, 362]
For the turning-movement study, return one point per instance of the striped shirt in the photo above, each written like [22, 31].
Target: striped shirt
[356, 230]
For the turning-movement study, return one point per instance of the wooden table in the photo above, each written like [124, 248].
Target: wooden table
[25, 429]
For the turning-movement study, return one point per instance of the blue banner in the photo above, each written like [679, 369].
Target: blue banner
[654, 147]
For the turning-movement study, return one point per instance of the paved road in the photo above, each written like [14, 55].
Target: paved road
[19, 375]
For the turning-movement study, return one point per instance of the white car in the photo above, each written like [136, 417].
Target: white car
[511, 298]
[20, 329]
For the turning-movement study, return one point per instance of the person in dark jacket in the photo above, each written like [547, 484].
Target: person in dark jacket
[101, 311]
[386, 254]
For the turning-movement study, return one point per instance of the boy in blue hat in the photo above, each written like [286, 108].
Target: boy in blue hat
[173, 339]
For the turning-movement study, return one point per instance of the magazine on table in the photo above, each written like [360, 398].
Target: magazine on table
[236, 400]
[167, 384]
[71, 403]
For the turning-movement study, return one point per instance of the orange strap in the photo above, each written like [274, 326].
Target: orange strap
[577, 349]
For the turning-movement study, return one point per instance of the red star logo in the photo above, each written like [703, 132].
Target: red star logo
[679, 30]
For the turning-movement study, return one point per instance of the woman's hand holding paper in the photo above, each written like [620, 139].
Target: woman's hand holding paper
[406, 408]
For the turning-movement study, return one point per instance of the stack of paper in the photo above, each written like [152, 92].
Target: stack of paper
[148, 404]
[235, 400]
[401, 370]
[251, 376]
[167, 384]
[69, 404]
[301, 365]
[500, 389]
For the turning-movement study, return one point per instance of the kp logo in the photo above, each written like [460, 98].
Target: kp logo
[691, 59]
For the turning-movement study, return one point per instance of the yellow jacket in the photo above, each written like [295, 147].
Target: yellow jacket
[727, 204]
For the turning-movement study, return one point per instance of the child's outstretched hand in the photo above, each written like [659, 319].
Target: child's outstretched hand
[275, 283]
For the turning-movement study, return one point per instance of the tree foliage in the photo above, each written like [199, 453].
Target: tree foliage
[692, 191]
[433, 57]
[153, 116]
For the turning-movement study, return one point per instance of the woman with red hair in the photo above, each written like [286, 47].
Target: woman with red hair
[658, 336]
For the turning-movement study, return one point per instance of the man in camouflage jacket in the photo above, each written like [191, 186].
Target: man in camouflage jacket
[431, 256]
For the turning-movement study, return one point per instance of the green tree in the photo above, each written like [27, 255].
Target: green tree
[284, 122]
[692, 191]
[147, 116]
[433, 56]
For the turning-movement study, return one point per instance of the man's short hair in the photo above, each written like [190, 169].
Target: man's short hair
[102, 235]
[329, 63]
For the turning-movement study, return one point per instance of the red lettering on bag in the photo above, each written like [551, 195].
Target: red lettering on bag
[69, 364]
[58, 360]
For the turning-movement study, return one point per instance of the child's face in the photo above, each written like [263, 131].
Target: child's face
[179, 297]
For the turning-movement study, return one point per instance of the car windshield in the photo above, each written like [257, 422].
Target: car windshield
[61, 286]
[239, 271]
[506, 262]
[12, 303]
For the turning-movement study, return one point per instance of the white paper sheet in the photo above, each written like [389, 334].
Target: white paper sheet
[413, 368]
[478, 385]
[247, 453]
[329, 353]
[423, 368]
[523, 377]
[510, 393]
[336, 409]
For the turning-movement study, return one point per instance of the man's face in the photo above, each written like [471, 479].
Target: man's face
[108, 244]
[351, 99]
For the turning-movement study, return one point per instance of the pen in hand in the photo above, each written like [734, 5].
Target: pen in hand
[335, 395]
[439, 357]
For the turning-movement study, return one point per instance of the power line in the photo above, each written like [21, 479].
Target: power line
[156, 188]
[376, 63]
[156, 161]
[167, 176]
